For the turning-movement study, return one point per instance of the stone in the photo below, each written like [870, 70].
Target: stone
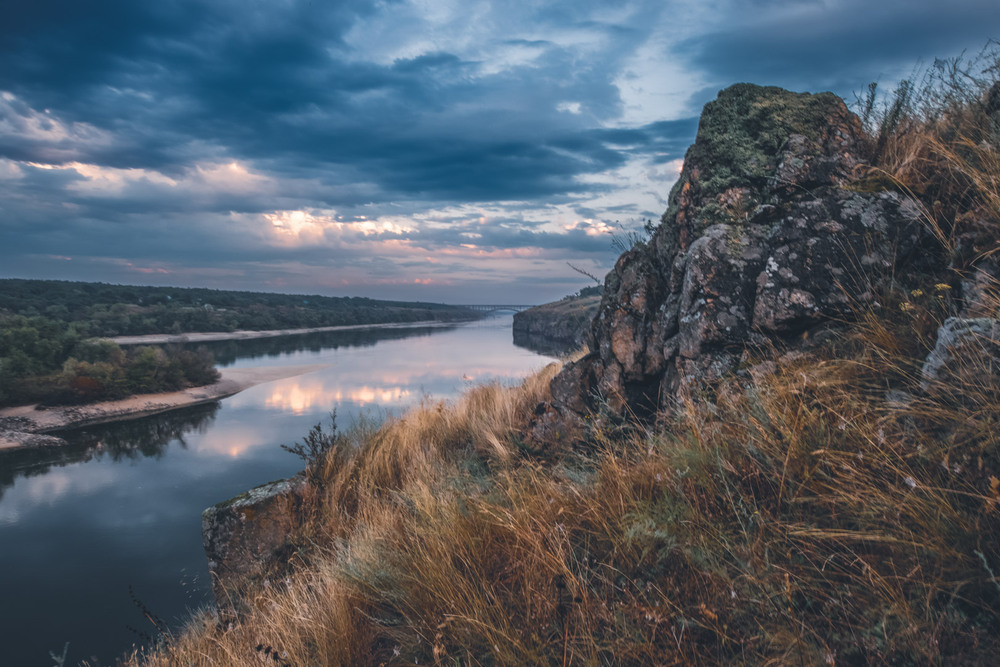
[966, 357]
[981, 290]
[554, 430]
[19, 432]
[244, 537]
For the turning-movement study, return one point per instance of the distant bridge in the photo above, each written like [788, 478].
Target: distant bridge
[487, 309]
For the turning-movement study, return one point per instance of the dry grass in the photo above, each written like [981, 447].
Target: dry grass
[936, 140]
[810, 518]
[835, 510]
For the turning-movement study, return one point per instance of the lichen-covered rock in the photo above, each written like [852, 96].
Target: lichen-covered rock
[246, 535]
[763, 239]
[965, 358]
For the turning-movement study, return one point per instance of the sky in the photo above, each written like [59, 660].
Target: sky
[456, 151]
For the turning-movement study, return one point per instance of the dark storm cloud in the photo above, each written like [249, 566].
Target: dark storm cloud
[840, 45]
[175, 68]
[182, 82]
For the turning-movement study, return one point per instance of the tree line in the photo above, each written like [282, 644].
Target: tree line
[99, 309]
[50, 350]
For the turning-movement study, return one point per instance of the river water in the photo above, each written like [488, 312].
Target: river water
[91, 532]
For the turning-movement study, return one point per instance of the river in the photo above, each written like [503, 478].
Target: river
[92, 531]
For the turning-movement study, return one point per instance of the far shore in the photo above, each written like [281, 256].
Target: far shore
[246, 334]
[26, 426]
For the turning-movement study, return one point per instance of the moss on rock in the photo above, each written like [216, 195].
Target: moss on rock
[738, 147]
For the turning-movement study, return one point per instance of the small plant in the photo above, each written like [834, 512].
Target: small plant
[935, 138]
[316, 446]
[632, 238]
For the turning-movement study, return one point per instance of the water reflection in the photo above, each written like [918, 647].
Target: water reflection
[146, 436]
[301, 396]
[120, 441]
[121, 504]
[227, 352]
[542, 345]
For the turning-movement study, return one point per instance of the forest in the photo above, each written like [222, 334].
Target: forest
[51, 352]
[99, 309]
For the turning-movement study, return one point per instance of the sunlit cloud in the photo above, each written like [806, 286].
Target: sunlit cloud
[231, 177]
[21, 122]
[233, 442]
[590, 227]
[98, 180]
[300, 396]
[383, 396]
[147, 270]
[203, 178]
[299, 227]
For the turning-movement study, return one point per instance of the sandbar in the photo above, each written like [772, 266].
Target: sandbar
[25, 426]
[245, 334]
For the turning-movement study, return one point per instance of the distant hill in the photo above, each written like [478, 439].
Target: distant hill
[99, 309]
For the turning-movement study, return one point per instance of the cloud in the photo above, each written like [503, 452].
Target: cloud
[390, 148]
[841, 44]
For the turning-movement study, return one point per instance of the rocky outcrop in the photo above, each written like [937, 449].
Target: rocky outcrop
[559, 327]
[765, 238]
[246, 536]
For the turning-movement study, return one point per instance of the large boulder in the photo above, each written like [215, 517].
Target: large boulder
[764, 238]
[246, 537]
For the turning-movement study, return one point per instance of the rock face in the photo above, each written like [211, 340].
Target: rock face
[763, 239]
[557, 327]
[246, 535]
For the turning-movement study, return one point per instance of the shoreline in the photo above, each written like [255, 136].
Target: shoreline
[248, 334]
[23, 426]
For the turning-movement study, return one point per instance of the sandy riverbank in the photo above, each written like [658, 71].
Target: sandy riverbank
[243, 334]
[24, 426]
